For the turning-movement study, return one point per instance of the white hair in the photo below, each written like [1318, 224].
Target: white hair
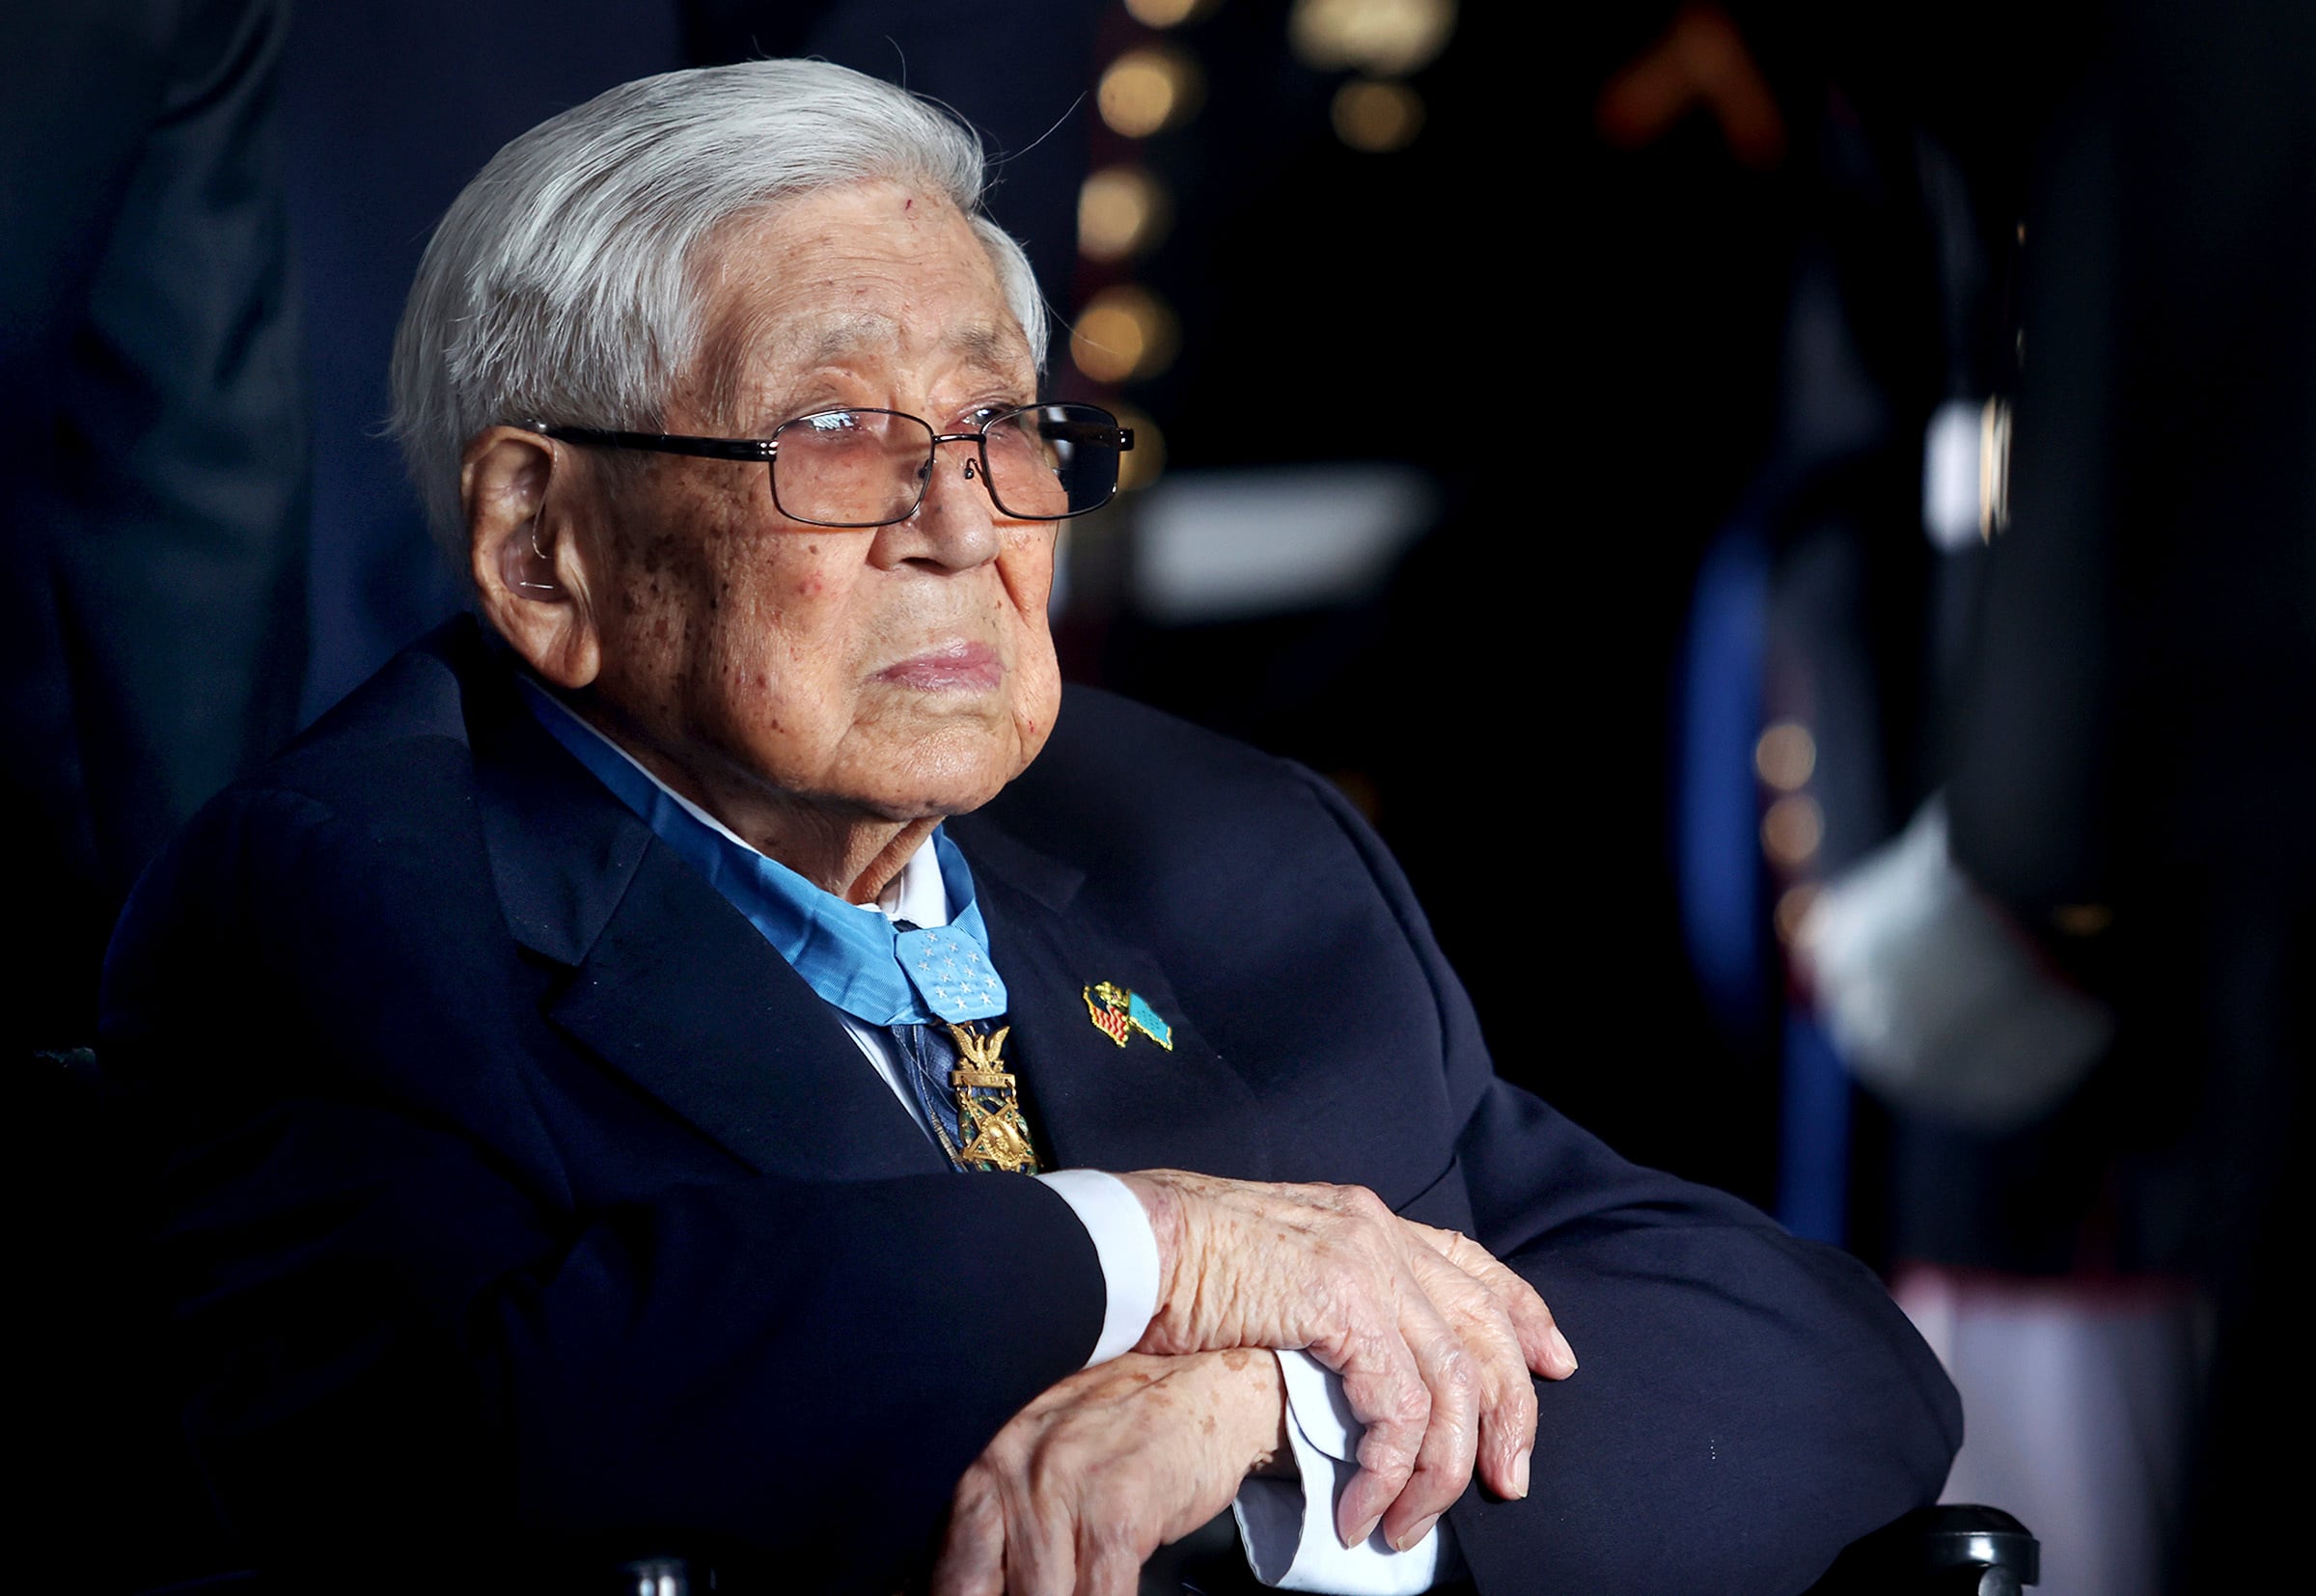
[560, 287]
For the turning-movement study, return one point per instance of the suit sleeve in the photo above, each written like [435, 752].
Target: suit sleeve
[405, 1326]
[1747, 1402]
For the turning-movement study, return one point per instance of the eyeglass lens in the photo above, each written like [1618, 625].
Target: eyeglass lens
[869, 467]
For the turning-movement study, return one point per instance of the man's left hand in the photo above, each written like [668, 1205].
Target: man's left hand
[1086, 1482]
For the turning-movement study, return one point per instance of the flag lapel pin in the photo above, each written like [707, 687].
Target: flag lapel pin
[1117, 1013]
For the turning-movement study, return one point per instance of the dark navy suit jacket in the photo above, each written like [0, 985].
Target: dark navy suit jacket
[516, 1185]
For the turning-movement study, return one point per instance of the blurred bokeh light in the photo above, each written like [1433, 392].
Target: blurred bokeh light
[1147, 89]
[1785, 756]
[1792, 830]
[1122, 211]
[1377, 118]
[1125, 333]
[1385, 37]
[1793, 906]
[1166, 14]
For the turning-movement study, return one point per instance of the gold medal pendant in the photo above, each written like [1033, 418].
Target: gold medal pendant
[989, 1117]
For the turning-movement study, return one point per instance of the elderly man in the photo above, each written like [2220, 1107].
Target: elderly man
[607, 1060]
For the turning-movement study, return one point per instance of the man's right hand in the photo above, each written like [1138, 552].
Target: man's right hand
[1432, 1336]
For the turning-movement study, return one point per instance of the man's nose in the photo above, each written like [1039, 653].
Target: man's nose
[956, 524]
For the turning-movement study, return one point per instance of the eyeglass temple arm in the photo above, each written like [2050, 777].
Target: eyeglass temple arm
[758, 450]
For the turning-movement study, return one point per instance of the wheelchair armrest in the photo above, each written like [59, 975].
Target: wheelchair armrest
[1957, 1549]
[1954, 1550]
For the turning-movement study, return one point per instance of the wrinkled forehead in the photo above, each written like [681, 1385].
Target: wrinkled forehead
[845, 336]
[866, 281]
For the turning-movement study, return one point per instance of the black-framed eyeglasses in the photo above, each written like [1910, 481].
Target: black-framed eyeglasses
[870, 468]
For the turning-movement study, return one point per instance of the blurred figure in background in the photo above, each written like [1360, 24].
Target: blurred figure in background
[153, 481]
[2137, 736]
[153, 452]
[2047, 769]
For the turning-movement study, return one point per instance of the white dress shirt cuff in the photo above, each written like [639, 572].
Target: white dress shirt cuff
[1127, 1248]
[1287, 1525]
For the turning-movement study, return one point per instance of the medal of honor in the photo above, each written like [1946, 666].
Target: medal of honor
[954, 978]
[989, 1117]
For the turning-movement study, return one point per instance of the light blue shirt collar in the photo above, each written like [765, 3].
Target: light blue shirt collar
[861, 962]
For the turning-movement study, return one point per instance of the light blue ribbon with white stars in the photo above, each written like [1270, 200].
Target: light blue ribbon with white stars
[860, 962]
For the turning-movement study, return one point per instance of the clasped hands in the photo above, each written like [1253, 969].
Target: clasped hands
[1432, 1337]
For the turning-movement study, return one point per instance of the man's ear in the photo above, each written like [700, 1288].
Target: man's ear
[523, 515]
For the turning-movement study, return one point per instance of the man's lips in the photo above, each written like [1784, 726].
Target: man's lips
[960, 667]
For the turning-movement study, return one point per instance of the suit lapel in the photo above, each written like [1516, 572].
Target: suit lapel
[682, 996]
[667, 983]
[1095, 1104]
